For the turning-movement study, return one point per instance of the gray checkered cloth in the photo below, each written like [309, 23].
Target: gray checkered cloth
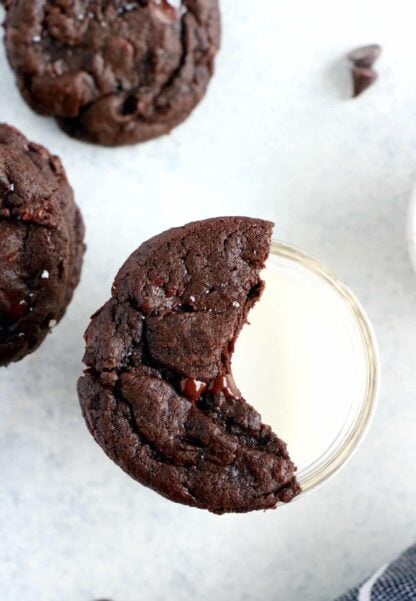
[394, 582]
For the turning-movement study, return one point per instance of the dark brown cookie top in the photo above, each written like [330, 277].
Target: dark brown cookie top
[113, 72]
[158, 394]
[41, 244]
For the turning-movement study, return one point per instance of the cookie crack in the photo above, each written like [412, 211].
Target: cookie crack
[129, 415]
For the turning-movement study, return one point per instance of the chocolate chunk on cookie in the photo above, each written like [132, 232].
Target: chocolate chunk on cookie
[41, 244]
[158, 394]
[114, 72]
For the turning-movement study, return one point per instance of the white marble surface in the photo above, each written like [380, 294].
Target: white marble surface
[276, 137]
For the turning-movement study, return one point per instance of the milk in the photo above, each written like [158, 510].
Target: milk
[302, 361]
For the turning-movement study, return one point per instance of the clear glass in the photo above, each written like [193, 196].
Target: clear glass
[347, 440]
[317, 369]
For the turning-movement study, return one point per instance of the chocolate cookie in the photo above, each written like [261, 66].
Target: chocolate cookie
[158, 394]
[113, 72]
[41, 244]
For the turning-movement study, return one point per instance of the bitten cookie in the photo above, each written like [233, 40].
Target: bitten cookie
[114, 72]
[158, 394]
[41, 244]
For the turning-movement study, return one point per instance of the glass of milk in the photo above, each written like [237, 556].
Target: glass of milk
[315, 359]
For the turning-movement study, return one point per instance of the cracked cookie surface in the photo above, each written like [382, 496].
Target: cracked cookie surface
[113, 72]
[41, 244]
[158, 393]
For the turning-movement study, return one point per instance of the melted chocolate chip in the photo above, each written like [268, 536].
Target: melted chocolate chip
[226, 385]
[192, 389]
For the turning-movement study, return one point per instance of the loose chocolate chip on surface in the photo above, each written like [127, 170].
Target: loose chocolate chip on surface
[365, 56]
[363, 78]
[363, 74]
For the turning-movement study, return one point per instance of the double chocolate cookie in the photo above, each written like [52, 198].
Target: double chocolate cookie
[41, 244]
[158, 394]
[113, 72]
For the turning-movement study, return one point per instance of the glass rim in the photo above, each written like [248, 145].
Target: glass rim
[334, 459]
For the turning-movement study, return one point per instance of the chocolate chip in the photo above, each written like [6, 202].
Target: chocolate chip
[365, 56]
[226, 385]
[362, 60]
[363, 78]
[192, 389]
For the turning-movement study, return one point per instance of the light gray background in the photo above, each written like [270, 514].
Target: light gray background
[276, 137]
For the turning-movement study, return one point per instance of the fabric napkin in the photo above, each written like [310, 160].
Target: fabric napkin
[393, 582]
